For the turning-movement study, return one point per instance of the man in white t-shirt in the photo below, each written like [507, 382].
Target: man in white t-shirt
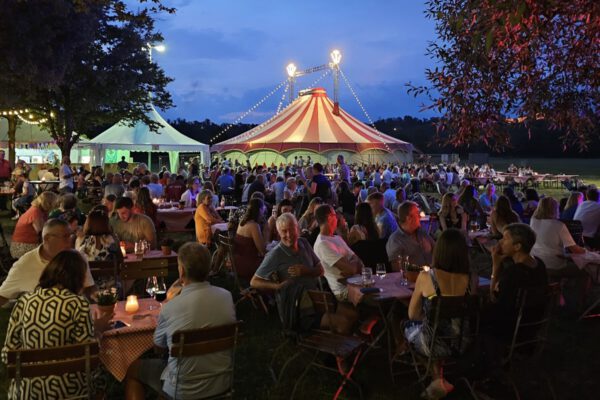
[337, 259]
[588, 213]
[26, 271]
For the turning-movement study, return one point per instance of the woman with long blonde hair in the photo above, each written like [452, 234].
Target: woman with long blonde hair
[27, 232]
[308, 222]
[574, 200]
[451, 214]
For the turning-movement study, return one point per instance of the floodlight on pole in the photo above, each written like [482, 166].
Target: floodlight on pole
[336, 57]
[291, 71]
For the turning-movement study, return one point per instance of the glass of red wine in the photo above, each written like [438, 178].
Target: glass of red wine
[160, 291]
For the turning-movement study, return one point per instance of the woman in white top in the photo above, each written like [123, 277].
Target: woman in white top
[190, 195]
[552, 238]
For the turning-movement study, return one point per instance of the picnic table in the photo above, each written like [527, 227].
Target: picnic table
[119, 348]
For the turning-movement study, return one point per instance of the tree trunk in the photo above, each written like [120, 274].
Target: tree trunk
[65, 146]
[12, 138]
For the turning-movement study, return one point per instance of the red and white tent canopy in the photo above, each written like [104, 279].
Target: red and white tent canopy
[309, 123]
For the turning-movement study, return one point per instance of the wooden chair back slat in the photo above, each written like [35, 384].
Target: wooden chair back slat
[54, 353]
[202, 348]
[195, 342]
[47, 368]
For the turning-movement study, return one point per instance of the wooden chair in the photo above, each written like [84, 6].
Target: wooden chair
[320, 342]
[246, 292]
[203, 341]
[74, 358]
[145, 268]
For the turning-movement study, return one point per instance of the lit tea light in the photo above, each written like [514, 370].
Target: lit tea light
[426, 268]
[132, 304]
[123, 250]
[422, 214]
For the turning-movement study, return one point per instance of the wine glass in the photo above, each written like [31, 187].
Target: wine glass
[403, 264]
[367, 276]
[380, 270]
[160, 290]
[151, 287]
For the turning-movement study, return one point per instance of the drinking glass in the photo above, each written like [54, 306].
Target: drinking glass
[160, 290]
[403, 264]
[151, 287]
[367, 276]
[380, 270]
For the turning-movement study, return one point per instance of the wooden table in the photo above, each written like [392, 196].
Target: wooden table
[152, 254]
[40, 183]
[119, 348]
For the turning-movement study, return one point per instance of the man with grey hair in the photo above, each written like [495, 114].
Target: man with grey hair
[26, 271]
[199, 305]
[293, 262]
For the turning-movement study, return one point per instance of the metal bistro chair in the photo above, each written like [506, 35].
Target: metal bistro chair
[203, 341]
[73, 358]
[534, 305]
[463, 308]
[319, 342]
[246, 292]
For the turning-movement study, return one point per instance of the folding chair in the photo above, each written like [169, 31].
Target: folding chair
[462, 309]
[319, 342]
[246, 292]
[73, 358]
[534, 305]
[203, 341]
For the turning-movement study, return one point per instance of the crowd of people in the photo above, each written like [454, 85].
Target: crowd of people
[294, 225]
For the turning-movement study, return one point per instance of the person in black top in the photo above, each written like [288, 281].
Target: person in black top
[122, 164]
[514, 268]
[320, 185]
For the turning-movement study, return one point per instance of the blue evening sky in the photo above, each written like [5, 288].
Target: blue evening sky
[225, 55]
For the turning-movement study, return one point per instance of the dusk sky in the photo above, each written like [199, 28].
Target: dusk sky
[225, 55]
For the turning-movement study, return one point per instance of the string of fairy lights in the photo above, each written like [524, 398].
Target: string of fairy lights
[244, 115]
[25, 115]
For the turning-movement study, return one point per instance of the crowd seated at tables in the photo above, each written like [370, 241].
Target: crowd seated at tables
[315, 222]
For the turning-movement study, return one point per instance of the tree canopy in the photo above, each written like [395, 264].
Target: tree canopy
[80, 63]
[503, 62]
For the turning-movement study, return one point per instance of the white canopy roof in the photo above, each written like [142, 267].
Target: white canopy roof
[140, 138]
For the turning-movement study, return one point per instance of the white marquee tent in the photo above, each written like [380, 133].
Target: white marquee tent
[140, 138]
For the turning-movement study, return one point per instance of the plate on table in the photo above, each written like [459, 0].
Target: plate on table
[357, 280]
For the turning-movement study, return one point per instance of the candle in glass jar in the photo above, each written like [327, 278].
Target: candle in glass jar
[132, 304]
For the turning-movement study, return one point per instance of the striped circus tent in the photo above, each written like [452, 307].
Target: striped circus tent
[313, 126]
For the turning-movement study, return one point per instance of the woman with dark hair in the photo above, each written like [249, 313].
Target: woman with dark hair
[97, 240]
[448, 276]
[249, 244]
[515, 204]
[502, 215]
[364, 227]
[65, 313]
[144, 205]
